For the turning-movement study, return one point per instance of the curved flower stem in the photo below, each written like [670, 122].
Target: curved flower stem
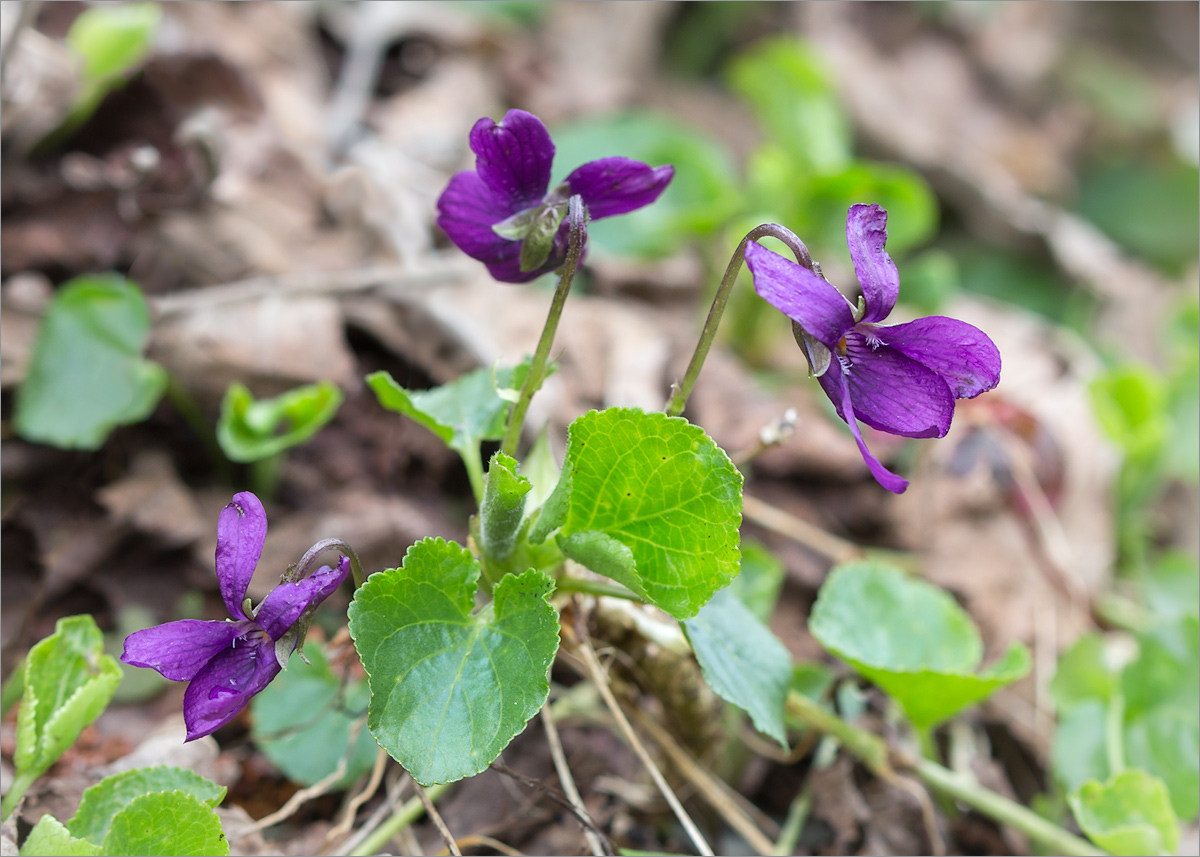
[873, 752]
[299, 569]
[681, 391]
[577, 218]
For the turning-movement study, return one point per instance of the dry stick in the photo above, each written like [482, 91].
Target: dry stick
[358, 800]
[478, 839]
[711, 789]
[568, 782]
[407, 814]
[436, 816]
[580, 814]
[601, 681]
[300, 798]
[307, 282]
[811, 536]
[394, 791]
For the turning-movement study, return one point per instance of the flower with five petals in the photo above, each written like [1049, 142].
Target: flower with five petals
[229, 661]
[899, 378]
[504, 212]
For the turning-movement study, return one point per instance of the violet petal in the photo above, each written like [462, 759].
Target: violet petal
[961, 353]
[241, 532]
[467, 210]
[866, 234]
[891, 392]
[223, 687]
[800, 294]
[834, 382]
[280, 610]
[180, 649]
[513, 157]
[613, 186]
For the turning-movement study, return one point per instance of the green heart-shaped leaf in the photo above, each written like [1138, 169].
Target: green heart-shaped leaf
[911, 639]
[87, 374]
[449, 688]
[650, 501]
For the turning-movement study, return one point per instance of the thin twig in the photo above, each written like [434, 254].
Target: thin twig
[568, 784]
[479, 839]
[580, 814]
[810, 536]
[358, 800]
[406, 815]
[402, 277]
[300, 798]
[928, 817]
[712, 789]
[588, 655]
[436, 817]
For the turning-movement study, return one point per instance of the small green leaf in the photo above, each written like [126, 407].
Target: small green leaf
[450, 689]
[49, 838]
[87, 374]
[910, 203]
[68, 682]
[1130, 814]
[251, 430]
[171, 824]
[463, 413]
[911, 639]
[742, 661]
[303, 721]
[503, 506]
[113, 39]
[102, 802]
[650, 501]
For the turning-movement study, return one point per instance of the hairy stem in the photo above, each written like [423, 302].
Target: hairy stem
[577, 219]
[681, 391]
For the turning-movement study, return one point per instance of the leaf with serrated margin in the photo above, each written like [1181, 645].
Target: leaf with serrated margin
[170, 824]
[663, 491]
[451, 688]
[103, 801]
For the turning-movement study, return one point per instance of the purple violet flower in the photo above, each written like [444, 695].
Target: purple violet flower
[503, 212]
[227, 662]
[900, 378]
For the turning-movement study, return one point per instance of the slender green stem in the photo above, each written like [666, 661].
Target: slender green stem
[194, 417]
[20, 784]
[413, 809]
[475, 473]
[577, 218]
[873, 752]
[264, 475]
[566, 583]
[925, 740]
[681, 391]
[1049, 835]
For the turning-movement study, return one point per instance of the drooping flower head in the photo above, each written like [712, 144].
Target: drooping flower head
[229, 661]
[900, 378]
[504, 213]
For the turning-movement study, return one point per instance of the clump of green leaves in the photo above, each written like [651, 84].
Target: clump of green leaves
[253, 429]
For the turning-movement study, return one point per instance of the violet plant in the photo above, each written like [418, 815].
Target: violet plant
[457, 640]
